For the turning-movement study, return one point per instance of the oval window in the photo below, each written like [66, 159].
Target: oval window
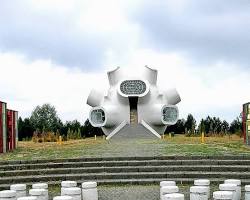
[133, 87]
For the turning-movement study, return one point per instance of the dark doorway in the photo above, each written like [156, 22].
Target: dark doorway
[133, 110]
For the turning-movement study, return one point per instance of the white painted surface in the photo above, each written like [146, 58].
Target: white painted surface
[247, 192]
[8, 195]
[27, 198]
[89, 191]
[167, 183]
[236, 182]
[63, 198]
[20, 190]
[223, 195]
[168, 190]
[67, 184]
[203, 182]
[149, 108]
[173, 196]
[116, 130]
[229, 187]
[42, 186]
[40, 194]
[150, 129]
[199, 193]
[74, 192]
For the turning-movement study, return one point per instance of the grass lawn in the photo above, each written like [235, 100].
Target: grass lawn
[178, 145]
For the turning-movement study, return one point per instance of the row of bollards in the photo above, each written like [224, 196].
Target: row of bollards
[229, 190]
[200, 190]
[39, 191]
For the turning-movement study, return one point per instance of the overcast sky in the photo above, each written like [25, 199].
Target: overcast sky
[55, 51]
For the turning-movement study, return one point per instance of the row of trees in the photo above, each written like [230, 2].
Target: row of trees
[44, 119]
[209, 125]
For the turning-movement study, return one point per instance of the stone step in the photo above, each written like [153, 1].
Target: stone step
[126, 175]
[120, 169]
[92, 159]
[204, 162]
[126, 170]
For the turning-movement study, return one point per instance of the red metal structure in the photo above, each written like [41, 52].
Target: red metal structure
[12, 129]
[8, 128]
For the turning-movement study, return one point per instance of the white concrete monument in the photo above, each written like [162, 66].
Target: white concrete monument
[133, 99]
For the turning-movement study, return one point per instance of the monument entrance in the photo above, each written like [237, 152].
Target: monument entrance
[133, 110]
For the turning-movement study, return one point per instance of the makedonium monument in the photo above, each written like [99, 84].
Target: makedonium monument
[133, 100]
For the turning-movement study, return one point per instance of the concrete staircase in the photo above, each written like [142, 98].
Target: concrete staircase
[129, 170]
[133, 132]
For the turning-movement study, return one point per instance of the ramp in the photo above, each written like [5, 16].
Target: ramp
[133, 131]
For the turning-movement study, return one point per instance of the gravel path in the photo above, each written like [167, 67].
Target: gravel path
[140, 192]
[129, 193]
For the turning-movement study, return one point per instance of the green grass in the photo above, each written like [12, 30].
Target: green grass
[178, 145]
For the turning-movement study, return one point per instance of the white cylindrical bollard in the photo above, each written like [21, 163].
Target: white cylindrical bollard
[20, 190]
[27, 198]
[63, 198]
[8, 195]
[229, 187]
[236, 182]
[67, 184]
[74, 192]
[166, 183]
[42, 186]
[222, 195]
[168, 190]
[89, 191]
[247, 192]
[40, 194]
[173, 196]
[204, 183]
[199, 193]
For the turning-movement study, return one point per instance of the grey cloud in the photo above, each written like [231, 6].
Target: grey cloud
[49, 35]
[206, 30]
